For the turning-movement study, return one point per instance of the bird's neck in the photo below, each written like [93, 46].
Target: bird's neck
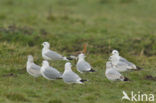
[45, 48]
[115, 59]
[29, 61]
[80, 59]
[117, 55]
[45, 66]
[67, 69]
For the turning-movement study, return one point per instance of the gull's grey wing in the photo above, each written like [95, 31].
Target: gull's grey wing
[34, 70]
[126, 61]
[71, 77]
[35, 67]
[122, 65]
[52, 73]
[83, 66]
[53, 55]
[114, 74]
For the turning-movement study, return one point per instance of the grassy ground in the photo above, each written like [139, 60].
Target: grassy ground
[125, 25]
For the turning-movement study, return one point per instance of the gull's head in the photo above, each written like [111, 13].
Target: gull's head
[81, 56]
[46, 44]
[30, 58]
[108, 65]
[45, 63]
[115, 52]
[68, 66]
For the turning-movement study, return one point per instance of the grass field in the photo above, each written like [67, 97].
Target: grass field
[126, 25]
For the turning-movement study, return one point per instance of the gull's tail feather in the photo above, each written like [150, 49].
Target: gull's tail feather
[139, 68]
[69, 58]
[83, 80]
[92, 70]
[126, 79]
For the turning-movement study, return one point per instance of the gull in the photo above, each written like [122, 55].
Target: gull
[82, 65]
[49, 72]
[70, 77]
[32, 68]
[121, 63]
[112, 74]
[48, 54]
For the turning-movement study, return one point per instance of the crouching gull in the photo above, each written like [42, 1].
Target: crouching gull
[70, 77]
[82, 65]
[32, 68]
[112, 74]
[48, 54]
[121, 64]
[49, 72]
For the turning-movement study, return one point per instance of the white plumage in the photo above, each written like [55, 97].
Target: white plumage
[48, 54]
[112, 74]
[69, 76]
[121, 64]
[49, 72]
[32, 68]
[82, 65]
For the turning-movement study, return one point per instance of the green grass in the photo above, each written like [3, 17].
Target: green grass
[125, 25]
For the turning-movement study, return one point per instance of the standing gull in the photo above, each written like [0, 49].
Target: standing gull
[48, 54]
[112, 74]
[121, 63]
[49, 72]
[82, 65]
[69, 76]
[32, 68]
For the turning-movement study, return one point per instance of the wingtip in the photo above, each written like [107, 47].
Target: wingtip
[126, 79]
[83, 80]
[139, 68]
[69, 58]
[92, 70]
